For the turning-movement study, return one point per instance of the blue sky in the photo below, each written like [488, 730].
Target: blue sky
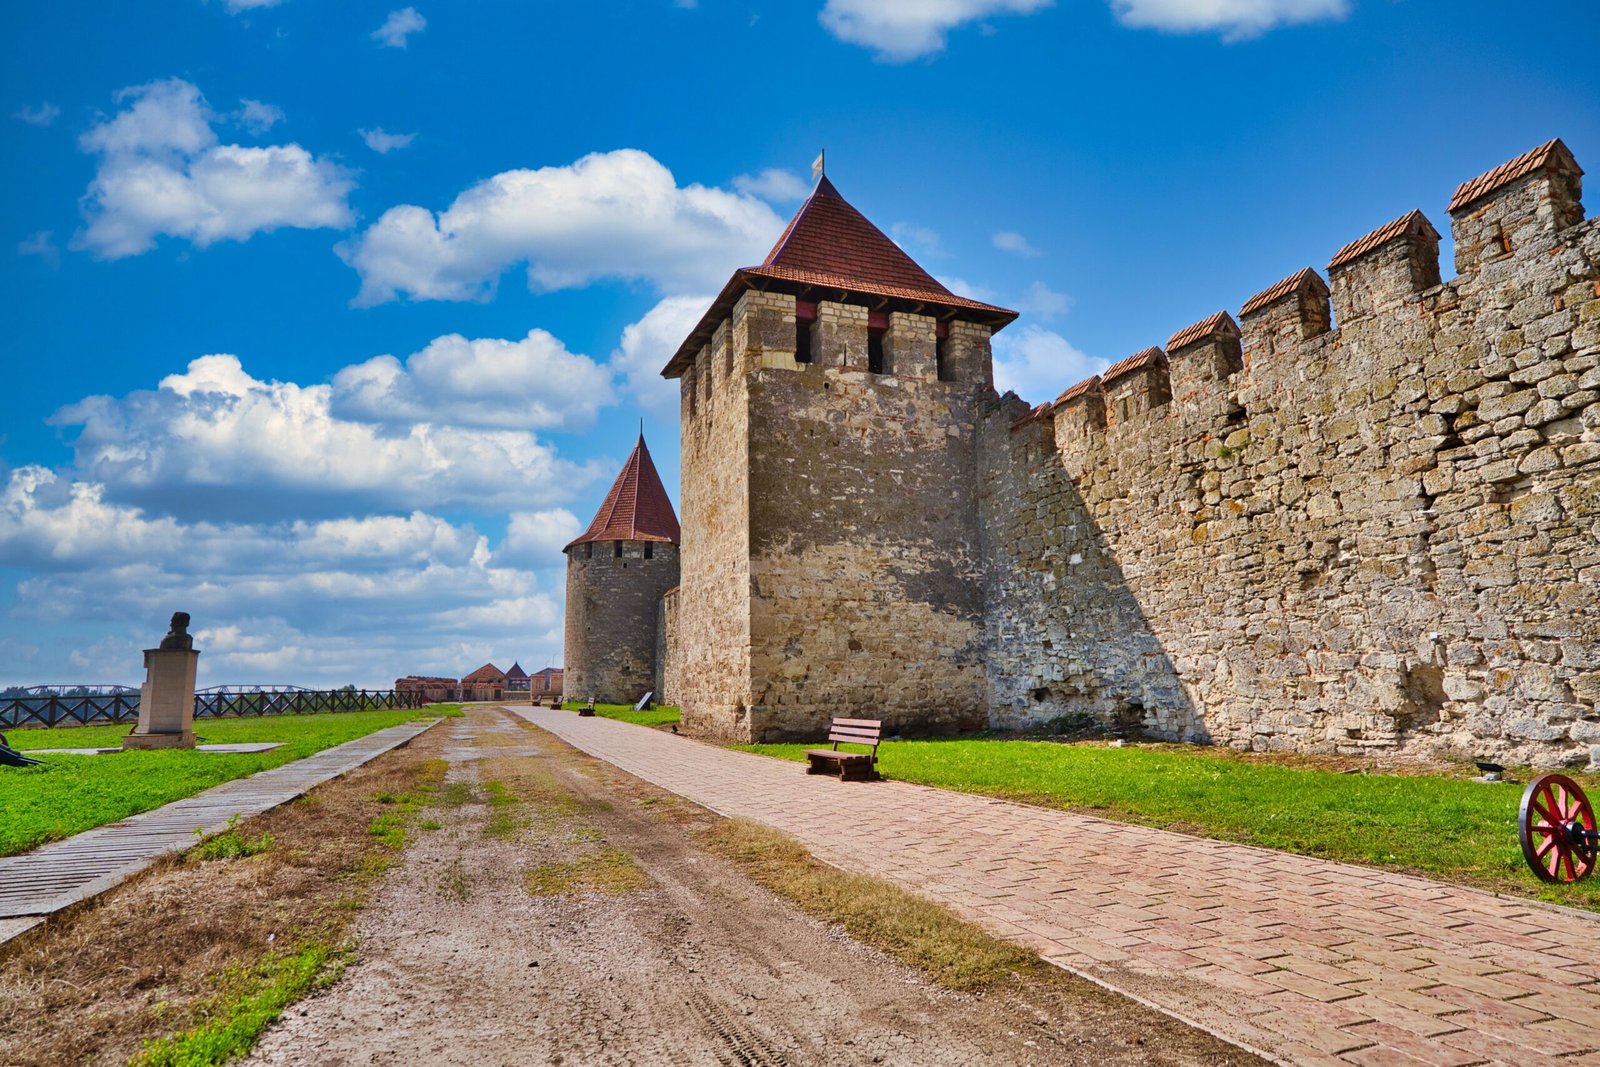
[331, 322]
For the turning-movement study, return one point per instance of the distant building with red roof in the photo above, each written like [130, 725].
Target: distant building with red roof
[488, 682]
[616, 572]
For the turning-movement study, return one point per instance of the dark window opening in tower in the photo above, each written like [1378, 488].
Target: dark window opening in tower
[941, 359]
[802, 341]
[588, 550]
[617, 549]
[649, 550]
[875, 359]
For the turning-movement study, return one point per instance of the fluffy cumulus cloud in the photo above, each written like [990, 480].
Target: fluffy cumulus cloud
[614, 214]
[1037, 364]
[1235, 19]
[902, 30]
[399, 26]
[308, 602]
[1041, 300]
[215, 442]
[536, 538]
[258, 117]
[648, 344]
[773, 184]
[162, 172]
[383, 142]
[534, 383]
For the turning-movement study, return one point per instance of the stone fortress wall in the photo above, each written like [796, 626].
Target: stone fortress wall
[1282, 534]
[614, 589]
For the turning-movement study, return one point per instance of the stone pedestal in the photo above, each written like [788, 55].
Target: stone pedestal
[166, 702]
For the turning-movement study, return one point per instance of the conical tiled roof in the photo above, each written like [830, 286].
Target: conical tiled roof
[832, 247]
[637, 508]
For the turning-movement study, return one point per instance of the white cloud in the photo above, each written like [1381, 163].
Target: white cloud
[383, 142]
[615, 214]
[162, 172]
[41, 244]
[399, 26]
[1011, 241]
[1236, 19]
[258, 117]
[536, 538]
[42, 114]
[918, 241]
[647, 345]
[1037, 364]
[773, 185]
[345, 600]
[236, 6]
[1044, 301]
[534, 383]
[902, 30]
[215, 442]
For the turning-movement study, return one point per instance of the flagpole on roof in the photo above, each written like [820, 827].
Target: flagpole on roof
[818, 165]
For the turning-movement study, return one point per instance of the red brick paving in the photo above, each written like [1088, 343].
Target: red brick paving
[1302, 960]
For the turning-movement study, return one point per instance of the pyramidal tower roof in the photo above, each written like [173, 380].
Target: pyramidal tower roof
[637, 508]
[831, 251]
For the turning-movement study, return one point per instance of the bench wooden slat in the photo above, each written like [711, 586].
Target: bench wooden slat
[872, 724]
[859, 737]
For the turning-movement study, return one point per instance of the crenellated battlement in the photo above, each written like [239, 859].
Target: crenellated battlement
[1364, 513]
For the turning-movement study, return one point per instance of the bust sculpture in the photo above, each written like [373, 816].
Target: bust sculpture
[178, 637]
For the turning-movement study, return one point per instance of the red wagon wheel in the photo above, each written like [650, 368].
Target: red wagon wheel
[1556, 824]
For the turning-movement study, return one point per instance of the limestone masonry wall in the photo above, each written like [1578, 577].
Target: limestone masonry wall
[1280, 534]
[612, 603]
[710, 657]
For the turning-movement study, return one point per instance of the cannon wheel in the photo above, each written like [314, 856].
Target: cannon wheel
[1551, 806]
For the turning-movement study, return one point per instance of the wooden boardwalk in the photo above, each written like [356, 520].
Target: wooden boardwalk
[38, 883]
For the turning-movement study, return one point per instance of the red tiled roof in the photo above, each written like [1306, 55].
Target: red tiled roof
[1150, 357]
[637, 508]
[486, 673]
[1083, 388]
[516, 671]
[1302, 279]
[830, 245]
[1221, 322]
[1510, 171]
[1415, 224]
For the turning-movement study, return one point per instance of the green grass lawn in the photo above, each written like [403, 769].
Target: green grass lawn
[660, 715]
[77, 793]
[1444, 827]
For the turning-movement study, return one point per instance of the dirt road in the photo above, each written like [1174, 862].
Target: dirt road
[562, 912]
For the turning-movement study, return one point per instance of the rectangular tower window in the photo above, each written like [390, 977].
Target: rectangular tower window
[941, 359]
[649, 550]
[617, 545]
[588, 550]
[805, 313]
[876, 364]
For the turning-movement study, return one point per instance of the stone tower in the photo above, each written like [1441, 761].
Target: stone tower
[830, 404]
[616, 574]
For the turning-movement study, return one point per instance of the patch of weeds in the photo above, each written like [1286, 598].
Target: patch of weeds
[249, 1000]
[457, 882]
[386, 797]
[430, 824]
[454, 795]
[497, 795]
[956, 954]
[608, 870]
[230, 844]
[390, 828]
[503, 823]
[645, 802]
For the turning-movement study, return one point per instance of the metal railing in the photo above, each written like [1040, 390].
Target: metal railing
[101, 705]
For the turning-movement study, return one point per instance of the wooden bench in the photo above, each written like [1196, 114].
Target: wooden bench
[587, 711]
[849, 766]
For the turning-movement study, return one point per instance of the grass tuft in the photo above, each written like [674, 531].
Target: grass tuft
[607, 870]
[230, 844]
[955, 954]
[250, 1000]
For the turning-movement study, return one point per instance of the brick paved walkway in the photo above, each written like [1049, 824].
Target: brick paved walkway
[1302, 960]
[37, 884]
